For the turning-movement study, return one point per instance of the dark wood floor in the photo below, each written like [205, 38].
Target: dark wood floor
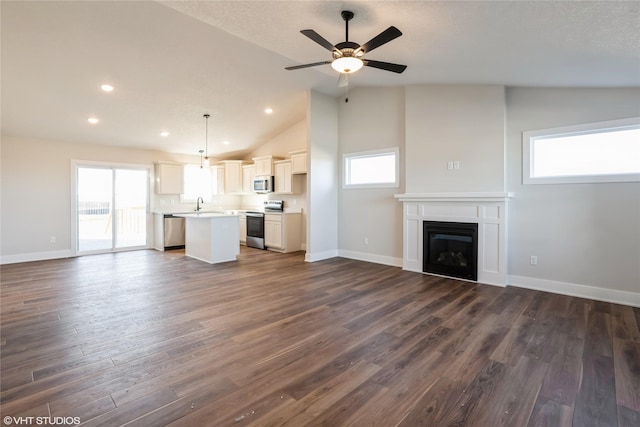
[149, 338]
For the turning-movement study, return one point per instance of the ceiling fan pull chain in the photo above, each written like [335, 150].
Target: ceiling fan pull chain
[346, 96]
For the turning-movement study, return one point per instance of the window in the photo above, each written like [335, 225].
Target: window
[371, 169]
[197, 183]
[596, 152]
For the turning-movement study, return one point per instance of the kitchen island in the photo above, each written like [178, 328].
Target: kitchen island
[212, 237]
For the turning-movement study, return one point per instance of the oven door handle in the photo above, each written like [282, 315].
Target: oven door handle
[255, 215]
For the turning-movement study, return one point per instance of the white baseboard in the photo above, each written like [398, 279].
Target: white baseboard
[319, 256]
[377, 259]
[35, 256]
[575, 290]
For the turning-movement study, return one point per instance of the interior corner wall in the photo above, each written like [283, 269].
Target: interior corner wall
[322, 181]
[586, 236]
[455, 123]
[370, 219]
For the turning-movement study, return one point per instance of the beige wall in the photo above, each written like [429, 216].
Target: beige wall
[464, 123]
[372, 119]
[36, 191]
[292, 139]
[585, 234]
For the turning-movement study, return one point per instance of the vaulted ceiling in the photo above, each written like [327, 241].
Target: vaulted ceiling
[172, 62]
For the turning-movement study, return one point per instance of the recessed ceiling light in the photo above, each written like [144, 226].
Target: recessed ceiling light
[106, 88]
[226, 142]
[93, 120]
[164, 134]
[268, 110]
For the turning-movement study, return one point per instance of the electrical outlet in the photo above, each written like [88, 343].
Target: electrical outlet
[533, 260]
[52, 239]
[456, 164]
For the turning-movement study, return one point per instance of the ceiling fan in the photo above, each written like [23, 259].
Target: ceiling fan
[348, 57]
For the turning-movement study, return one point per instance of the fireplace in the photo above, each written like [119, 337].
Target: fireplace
[450, 249]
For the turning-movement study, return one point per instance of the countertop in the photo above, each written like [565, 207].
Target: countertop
[206, 215]
[230, 211]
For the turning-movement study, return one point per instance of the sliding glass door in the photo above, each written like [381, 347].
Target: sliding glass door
[111, 208]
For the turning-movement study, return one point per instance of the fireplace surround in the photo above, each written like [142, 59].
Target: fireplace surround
[486, 210]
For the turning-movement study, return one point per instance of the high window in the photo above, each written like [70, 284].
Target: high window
[197, 183]
[371, 169]
[595, 152]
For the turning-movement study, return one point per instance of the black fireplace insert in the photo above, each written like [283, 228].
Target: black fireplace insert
[450, 249]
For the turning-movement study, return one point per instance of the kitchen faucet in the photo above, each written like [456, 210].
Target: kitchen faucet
[198, 200]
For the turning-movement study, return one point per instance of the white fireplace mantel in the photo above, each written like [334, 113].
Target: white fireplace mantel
[454, 197]
[488, 210]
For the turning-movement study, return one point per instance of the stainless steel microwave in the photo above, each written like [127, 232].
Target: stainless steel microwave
[263, 184]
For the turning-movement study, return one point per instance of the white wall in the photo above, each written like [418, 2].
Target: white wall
[583, 234]
[36, 191]
[462, 123]
[372, 119]
[322, 181]
[292, 139]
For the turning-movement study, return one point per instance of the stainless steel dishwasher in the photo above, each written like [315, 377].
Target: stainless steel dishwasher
[173, 232]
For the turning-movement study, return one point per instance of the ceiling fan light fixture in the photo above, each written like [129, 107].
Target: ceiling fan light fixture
[347, 64]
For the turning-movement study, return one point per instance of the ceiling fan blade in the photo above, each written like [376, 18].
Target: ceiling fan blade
[318, 39]
[384, 37]
[387, 66]
[297, 67]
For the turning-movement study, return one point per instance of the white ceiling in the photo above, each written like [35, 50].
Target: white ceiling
[171, 62]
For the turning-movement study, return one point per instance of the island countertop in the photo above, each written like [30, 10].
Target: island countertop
[206, 215]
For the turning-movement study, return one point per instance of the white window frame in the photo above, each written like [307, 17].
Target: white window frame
[528, 145]
[346, 159]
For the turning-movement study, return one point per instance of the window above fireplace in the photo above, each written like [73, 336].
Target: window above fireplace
[595, 152]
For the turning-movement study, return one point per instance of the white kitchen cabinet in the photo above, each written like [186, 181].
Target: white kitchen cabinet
[264, 165]
[217, 179]
[283, 231]
[282, 176]
[298, 162]
[248, 173]
[169, 178]
[273, 232]
[232, 176]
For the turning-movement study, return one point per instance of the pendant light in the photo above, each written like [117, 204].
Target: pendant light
[206, 140]
[201, 164]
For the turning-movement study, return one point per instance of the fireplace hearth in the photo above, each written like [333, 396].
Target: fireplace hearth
[450, 249]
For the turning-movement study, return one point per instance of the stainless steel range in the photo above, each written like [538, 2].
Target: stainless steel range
[255, 223]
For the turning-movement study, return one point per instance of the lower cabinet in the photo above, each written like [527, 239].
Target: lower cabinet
[282, 232]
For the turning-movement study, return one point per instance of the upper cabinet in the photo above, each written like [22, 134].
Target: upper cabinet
[298, 162]
[264, 165]
[169, 178]
[282, 176]
[248, 173]
[217, 179]
[233, 176]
